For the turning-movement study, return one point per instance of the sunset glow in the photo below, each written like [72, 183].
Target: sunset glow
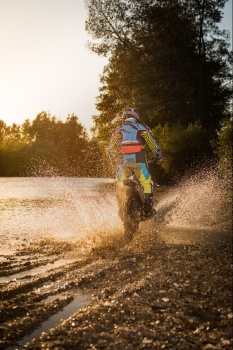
[44, 62]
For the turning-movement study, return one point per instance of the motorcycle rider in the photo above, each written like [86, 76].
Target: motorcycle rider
[129, 146]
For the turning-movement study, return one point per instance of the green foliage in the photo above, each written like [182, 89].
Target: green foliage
[170, 61]
[223, 146]
[49, 147]
[12, 150]
[183, 147]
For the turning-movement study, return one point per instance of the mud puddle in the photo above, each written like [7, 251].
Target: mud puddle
[34, 300]
[75, 305]
[26, 276]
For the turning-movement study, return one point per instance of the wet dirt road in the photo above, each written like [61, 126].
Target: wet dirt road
[169, 288]
[162, 290]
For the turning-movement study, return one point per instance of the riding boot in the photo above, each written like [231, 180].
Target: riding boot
[148, 206]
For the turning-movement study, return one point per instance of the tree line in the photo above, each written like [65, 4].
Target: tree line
[49, 147]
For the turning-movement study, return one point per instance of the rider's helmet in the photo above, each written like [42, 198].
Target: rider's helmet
[130, 113]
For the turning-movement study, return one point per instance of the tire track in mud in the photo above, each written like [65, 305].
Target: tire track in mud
[138, 296]
[25, 298]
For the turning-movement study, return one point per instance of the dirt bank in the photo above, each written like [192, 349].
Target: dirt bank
[150, 293]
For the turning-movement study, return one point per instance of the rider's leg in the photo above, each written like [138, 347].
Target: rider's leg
[145, 179]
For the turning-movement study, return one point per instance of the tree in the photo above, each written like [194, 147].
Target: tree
[223, 146]
[161, 61]
[61, 146]
[12, 150]
[183, 148]
[167, 58]
[3, 131]
[72, 142]
[213, 89]
[49, 147]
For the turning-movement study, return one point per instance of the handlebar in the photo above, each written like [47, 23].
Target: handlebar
[155, 160]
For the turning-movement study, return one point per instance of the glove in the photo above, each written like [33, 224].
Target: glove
[158, 157]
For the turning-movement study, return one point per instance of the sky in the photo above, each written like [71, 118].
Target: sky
[45, 64]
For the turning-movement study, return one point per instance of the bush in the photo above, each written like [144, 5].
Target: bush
[223, 146]
[182, 148]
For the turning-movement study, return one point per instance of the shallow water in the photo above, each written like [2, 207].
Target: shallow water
[59, 207]
[76, 304]
[27, 275]
[75, 208]
[197, 211]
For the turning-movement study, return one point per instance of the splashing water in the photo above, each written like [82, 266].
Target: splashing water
[202, 201]
[59, 207]
[86, 208]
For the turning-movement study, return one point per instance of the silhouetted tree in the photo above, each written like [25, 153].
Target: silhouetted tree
[167, 58]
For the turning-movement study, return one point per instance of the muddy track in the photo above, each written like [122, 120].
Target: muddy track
[144, 294]
[24, 294]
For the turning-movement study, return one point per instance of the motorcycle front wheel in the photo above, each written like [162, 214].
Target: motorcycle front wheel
[131, 217]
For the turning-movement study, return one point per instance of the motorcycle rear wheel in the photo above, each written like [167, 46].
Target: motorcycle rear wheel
[132, 212]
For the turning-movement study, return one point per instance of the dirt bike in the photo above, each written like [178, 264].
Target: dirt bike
[131, 206]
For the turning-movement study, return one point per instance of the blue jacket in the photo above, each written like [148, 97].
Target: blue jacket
[129, 142]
